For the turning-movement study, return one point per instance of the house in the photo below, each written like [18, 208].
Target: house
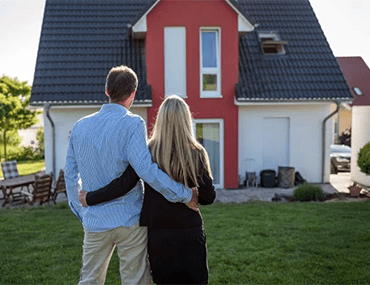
[357, 74]
[259, 76]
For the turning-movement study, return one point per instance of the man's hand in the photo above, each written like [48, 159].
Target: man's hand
[82, 197]
[193, 204]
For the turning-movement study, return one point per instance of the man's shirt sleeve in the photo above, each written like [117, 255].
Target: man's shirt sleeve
[72, 178]
[141, 161]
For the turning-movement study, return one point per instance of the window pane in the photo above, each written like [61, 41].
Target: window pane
[209, 55]
[209, 82]
[208, 134]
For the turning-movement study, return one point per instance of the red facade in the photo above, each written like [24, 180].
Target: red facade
[193, 15]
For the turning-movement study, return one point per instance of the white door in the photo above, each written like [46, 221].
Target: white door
[210, 134]
[275, 143]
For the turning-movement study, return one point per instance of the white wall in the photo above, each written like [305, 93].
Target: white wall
[360, 137]
[305, 133]
[64, 119]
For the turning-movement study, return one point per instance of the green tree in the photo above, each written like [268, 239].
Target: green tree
[14, 111]
[40, 137]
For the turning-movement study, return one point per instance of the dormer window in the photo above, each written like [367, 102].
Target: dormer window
[271, 43]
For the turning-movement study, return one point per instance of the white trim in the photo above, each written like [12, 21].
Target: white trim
[217, 71]
[286, 102]
[141, 26]
[243, 24]
[221, 124]
[98, 106]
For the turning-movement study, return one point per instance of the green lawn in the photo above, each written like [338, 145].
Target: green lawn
[28, 167]
[252, 243]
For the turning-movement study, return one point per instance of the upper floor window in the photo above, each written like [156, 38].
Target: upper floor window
[271, 43]
[210, 62]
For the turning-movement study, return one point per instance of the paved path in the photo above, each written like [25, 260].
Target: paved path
[338, 184]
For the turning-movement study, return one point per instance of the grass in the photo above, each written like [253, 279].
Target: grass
[28, 167]
[253, 243]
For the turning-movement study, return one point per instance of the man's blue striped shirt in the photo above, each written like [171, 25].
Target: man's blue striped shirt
[101, 147]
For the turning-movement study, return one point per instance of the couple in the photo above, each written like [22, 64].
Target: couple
[108, 152]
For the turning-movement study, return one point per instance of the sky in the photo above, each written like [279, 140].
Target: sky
[344, 22]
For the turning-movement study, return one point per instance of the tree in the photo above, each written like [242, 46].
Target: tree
[40, 137]
[14, 111]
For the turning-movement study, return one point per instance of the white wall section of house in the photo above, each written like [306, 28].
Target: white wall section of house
[175, 60]
[360, 137]
[300, 128]
[276, 146]
[64, 118]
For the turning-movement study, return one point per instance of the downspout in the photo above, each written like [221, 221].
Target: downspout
[53, 136]
[324, 137]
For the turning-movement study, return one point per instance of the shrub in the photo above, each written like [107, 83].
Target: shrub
[24, 154]
[308, 192]
[363, 160]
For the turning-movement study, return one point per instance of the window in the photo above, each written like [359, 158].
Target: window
[209, 132]
[358, 91]
[175, 60]
[210, 69]
[271, 43]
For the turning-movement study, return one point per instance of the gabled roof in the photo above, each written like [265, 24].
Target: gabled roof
[307, 71]
[357, 74]
[82, 39]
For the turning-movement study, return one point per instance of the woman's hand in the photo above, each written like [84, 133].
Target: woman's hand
[82, 197]
[193, 204]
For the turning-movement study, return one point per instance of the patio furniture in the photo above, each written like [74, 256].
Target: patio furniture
[10, 169]
[8, 185]
[251, 179]
[60, 186]
[41, 190]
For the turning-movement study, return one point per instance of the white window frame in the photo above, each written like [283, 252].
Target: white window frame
[216, 71]
[175, 61]
[220, 122]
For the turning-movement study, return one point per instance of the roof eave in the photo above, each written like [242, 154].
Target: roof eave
[140, 104]
[274, 101]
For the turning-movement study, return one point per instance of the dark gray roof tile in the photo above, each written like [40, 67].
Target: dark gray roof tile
[80, 41]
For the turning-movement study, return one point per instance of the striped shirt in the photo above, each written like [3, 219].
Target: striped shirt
[101, 146]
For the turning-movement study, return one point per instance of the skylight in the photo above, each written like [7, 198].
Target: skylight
[358, 91]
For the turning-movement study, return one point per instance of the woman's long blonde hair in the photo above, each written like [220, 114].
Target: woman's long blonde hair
[173, 145]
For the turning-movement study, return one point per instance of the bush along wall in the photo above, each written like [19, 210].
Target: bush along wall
[363, 160]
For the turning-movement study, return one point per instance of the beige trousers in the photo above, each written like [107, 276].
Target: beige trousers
[132, 251]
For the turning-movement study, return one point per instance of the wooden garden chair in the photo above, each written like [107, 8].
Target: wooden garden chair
[10, 171]
[41, 190]
[60, 186]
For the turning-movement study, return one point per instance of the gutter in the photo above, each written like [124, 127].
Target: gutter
[47, 106]
[323, 140]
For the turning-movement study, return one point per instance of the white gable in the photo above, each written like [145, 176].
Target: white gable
[244, 25]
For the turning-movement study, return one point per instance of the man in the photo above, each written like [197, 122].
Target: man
[101, 147]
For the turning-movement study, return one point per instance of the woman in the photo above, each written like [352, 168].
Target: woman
[176, 239]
